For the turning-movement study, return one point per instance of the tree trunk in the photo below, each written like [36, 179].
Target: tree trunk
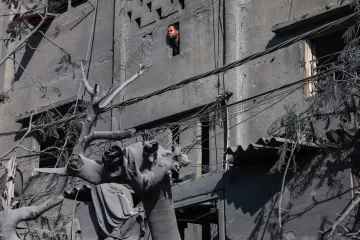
[9, 218]
[159, 210]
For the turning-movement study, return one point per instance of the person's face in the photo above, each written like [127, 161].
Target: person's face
[172, 32]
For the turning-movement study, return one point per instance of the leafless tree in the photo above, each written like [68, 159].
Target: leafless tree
[145, 166]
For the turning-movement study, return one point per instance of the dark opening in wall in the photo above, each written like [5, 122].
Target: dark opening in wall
[326, 51]
[321, 54]
[75, 3]
[138, 21]
[50, 147]
[202, 216]
[182, 3]
[57, 142]
[205, 147]
[173, 38]
[149, 6]
[55, 6]
[63, 6]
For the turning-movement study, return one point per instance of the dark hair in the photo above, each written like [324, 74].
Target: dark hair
[175, 25]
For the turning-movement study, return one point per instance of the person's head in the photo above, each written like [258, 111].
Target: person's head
[173, 31]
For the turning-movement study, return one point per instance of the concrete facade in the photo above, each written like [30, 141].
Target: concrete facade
[130, 32]
[43, 60]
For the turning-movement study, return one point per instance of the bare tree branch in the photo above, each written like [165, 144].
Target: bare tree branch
[57, 171]
[21, 140]
[347, 211]
[9, 218]
[120, 88]
[88, 88]
[283, 182]
[106, 135]
[10, 52]
[86, 169]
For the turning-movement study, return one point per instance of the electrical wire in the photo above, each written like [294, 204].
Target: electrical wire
[238, 63]
[215, 71]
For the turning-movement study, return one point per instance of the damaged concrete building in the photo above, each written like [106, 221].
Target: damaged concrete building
[227, 191]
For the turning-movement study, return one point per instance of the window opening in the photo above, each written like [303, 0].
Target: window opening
[182, 3]
[59, 7]
[52, 140]
[149, 5]
[205, 147]
[75, 3]
[321, 54]
[55, 6]
[202, 216]
[173, 38]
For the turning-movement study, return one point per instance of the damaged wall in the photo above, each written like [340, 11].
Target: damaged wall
[315, 195]
[249, 30]
[197, 43]
[59, 74]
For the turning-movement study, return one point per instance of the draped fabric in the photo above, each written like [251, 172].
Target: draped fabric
[116, 215]
[10, 168]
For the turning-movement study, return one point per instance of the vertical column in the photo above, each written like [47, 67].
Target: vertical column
[220, 205]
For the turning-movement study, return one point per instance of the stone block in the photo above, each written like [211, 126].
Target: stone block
[170, 9]
[149, 18]
[156, 4]
[139, 11]
[133, 4]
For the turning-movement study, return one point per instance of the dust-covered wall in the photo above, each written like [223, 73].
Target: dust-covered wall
[52, 66]
[315, 194]
[212, 33]
[51, 74]
[127, 33]
[248, 31]
[135, 44]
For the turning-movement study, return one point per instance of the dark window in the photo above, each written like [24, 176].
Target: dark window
[75, 3]
[203, 216]
[205, 146]
[54, 151]
[56, 6]
[326, 50]
[321, 55]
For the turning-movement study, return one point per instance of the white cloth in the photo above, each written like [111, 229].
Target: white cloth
[10, 168]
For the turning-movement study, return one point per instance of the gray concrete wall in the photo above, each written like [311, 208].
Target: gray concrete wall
[120, 37]
[248, 31]
[313, 199]
[196, 56]
[314, 195]
[70, 31]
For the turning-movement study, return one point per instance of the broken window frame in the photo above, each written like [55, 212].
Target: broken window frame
[36, 136]
[215, 199]
[312, 59]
